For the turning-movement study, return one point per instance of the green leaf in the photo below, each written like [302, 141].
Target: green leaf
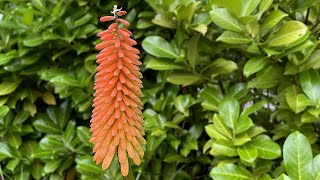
[159, 47]
[244, 123]
[163, 21]
[182, 78]
[254, 65]
[7, 57]
[238, 90]
[249, 6]
[248, 153]
[213, 132]
[84, 135]
[163, 64]
[223, 147]
[221, 126]
[283, 177]
[241, 139]
[33, 40]
[52, 165]
[229, 110]
[273, 19]
[44, 124]
[266, 147]
[297, 156]
[310, 83]
[83, 20]
[4, 110]
[233, 38]
[222, 18]
[234, 6]
[65, 80]
[264, 5]
[14, 139]
[5, 151]
[253, 108]
[85, 164]
[316, 168]
[28, 16]
[212, 97]
[230, 172]
[182, 102]
[297, 102]
[8, 87]
[267, 78]
[289, 32]
[192, 51]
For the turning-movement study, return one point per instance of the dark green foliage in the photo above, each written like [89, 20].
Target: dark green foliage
[231, 88]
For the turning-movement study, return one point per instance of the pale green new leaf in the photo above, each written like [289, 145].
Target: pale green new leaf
[297, 156]
[222, 18]
[229, 110]
[316, 168]
[288, 33]
[248, 152]
[233, 38]
[254, 65]
[310, 83]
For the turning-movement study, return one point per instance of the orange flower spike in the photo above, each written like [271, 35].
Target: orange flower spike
[116, 124]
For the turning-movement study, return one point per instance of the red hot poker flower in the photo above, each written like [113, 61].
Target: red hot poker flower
[117, 124]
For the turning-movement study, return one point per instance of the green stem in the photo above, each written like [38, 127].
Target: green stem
[130, 176]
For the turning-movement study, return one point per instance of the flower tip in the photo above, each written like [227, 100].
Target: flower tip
[121, 13]
[106, 18]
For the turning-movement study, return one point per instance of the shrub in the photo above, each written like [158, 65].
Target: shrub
[231, 88]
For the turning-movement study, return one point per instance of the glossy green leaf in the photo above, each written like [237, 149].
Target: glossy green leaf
[221, 126]
[266, 147]
[297, 156]
[283, 177]
[163, 64]
[8, 87]
[84, 135]
[254, 65]
[244, 123]
[249, 6]
[297, 102]
[253, 108]
[192, 51]
[273, 19]
[248, 153]
[213, 132]
[230, 172]
[238, 90]
[267, 78]
[222, 18]
[310, 83]
[44, 124]
[229, 110]
[182, 78]
[52, 165]
[316, 168]
[233, 38]
[223, 147]
[159, 47]
[4, 110]
[288, 33]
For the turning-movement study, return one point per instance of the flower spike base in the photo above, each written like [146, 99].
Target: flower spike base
[117, 122]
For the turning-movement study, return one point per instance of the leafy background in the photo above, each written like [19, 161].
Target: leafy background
[231, 88]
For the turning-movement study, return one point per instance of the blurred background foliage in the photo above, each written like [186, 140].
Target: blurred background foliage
[231, 88]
